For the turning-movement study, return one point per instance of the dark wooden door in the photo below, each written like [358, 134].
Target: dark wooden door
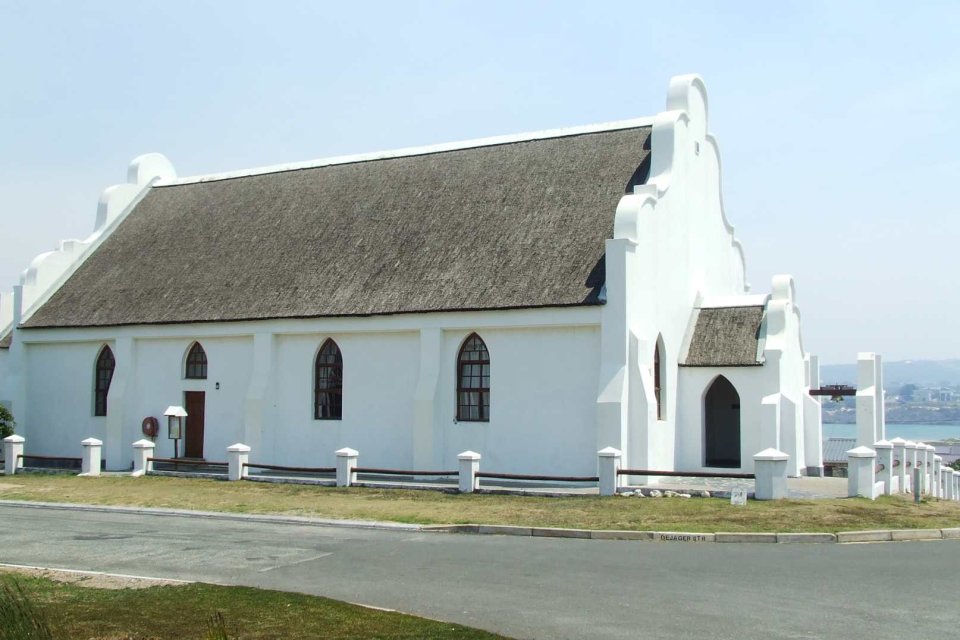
[195, 405]
[722, 425]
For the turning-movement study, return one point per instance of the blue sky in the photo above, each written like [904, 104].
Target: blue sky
[837, 120]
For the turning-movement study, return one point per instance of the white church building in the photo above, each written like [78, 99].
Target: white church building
[534, 298]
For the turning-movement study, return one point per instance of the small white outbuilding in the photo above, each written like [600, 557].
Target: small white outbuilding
[534, 298]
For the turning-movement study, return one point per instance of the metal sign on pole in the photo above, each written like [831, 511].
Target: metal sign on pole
[175, 416]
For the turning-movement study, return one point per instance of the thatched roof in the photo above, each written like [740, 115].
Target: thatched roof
[725, 337]
[502, 226]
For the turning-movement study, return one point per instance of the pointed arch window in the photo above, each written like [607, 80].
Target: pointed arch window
[196, 368]
[473, 381]
[102, 378]
[658, 378]
[328, 383]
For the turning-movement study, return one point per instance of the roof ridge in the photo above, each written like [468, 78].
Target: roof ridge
[492, 141]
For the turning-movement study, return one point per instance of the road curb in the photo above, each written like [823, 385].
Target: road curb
[843, 537]
[738, 538]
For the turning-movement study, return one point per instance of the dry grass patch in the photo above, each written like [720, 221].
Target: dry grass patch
[430, 507]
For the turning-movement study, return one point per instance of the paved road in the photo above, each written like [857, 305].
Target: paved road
[527, 587]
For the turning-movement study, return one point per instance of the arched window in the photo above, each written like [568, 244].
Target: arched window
[658, 379]
[328, 383]
[473, 381]
[102, 378]
[196, 363]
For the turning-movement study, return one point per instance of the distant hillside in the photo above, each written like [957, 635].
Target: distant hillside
[897, 374]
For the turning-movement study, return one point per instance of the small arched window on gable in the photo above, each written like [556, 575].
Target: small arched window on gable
[473, 381]
[328, 383]
[659, 375]
[196, 367]
[102, 378]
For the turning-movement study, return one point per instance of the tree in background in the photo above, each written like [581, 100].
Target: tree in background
[955, 465]
[6, 422]
[907, 391]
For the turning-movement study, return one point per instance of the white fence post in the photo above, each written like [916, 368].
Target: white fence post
[237, 457]
[12, 450]
[469, 466]
[770, 474]
[922, 465]
[924, 453]
[862, 473]
[956, 485]
[900, 460]
[937, 484]
[884, 451]
[90, 464]
[912, 453]
[142, 450]
[609, 462]
[346, 463]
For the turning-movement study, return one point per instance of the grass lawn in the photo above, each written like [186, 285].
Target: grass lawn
[430, 507]
[185, 611]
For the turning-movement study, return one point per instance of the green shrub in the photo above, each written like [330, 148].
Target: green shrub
[6, 422]
[19, 618]
[217, 627]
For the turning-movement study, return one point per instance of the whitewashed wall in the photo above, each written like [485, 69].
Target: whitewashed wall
[159, 382]
[379, 371]
[672, 246]
[61, 400]
[542, 416]
[4, 367]
[750, 383]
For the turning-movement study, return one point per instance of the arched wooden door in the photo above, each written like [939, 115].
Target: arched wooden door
[721, 413]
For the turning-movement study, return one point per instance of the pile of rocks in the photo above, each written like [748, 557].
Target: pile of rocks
[657, 493]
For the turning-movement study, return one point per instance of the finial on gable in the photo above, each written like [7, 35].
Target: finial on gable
[783, 288]
[148, 166]
[688, 93]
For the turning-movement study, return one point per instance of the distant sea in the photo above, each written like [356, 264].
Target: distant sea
[915, 432]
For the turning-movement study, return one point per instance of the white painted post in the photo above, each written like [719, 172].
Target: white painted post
[90, 464]
[609, 464]
[770, 474]
[12, 450]
[142, 450]
[943, 480]
[925, 464]
[346, 463]
[912, 451]
[861, 473]
[469, 466]
[870, 427]
[884, 451]
[237, 457]
[956, 485]
[900, 460]
[936, 486]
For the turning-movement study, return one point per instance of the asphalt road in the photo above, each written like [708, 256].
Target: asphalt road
[527, 587]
